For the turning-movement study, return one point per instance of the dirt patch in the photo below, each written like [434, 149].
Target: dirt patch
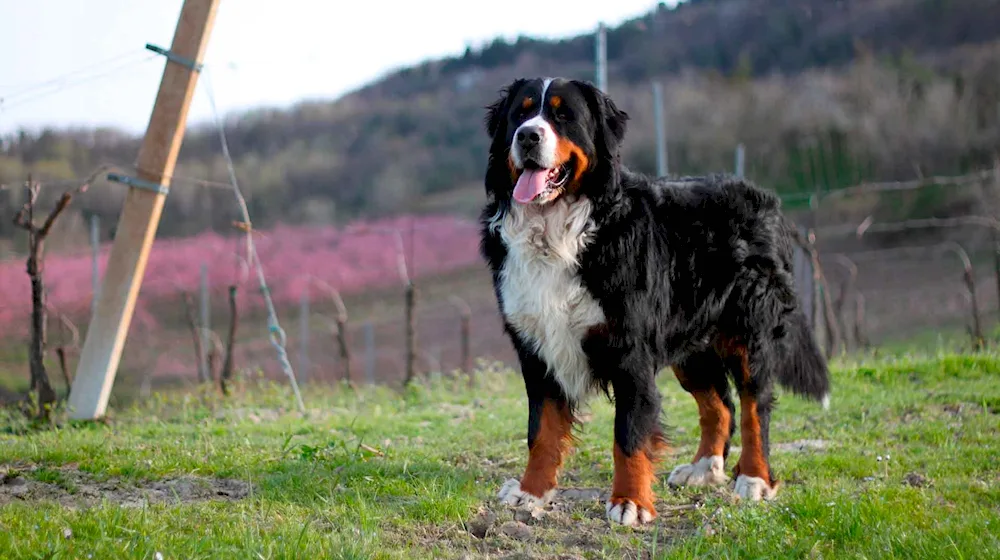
[801, 446]
[76, 489]
[8, 397]
[572, 526]
[798, 446]
[917, 480]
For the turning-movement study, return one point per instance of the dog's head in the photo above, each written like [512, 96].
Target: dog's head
[551, 138]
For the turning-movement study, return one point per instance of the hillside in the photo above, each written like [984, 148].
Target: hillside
[821, 92]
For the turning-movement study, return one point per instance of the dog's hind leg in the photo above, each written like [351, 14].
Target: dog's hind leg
[704, 375]
[550, 422]
[754, 478]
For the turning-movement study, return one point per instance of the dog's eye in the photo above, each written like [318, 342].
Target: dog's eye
[562, 115]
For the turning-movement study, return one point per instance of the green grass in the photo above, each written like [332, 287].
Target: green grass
[389, 475]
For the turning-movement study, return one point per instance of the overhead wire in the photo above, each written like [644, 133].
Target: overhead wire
[131, 53]
[57, 86]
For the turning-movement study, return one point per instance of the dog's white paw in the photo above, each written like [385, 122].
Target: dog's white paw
[754, 489]
[627, 513]
[511, 494]
[707, 471]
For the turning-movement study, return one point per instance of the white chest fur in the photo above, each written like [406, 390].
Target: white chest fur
[542, 295]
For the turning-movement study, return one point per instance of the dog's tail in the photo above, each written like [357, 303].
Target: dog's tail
[803, 370]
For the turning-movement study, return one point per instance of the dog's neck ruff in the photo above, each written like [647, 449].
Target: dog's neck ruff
[542, 296]
[556, 232]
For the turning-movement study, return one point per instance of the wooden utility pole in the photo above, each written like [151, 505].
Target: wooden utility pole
[141, 210]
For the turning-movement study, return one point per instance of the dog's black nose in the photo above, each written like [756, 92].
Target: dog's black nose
[529, 136]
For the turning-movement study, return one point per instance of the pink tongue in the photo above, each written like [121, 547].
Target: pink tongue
[530, 184]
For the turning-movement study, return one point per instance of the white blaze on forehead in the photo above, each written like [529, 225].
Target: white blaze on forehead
[545, 153]
[545, 87]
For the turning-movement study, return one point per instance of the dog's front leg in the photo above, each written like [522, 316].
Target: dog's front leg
[638, 445]
[550, 422]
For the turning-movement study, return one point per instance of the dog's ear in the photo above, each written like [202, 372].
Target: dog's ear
[610, 120]
[496, 112]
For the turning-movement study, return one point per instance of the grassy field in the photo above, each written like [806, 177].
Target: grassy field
[904, 464]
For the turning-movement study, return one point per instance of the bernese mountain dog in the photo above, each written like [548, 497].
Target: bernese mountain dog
[604, 276]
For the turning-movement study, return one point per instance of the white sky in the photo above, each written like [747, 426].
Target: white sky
[260, 53]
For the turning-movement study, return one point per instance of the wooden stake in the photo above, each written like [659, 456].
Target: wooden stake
[200, 343]
[345, 351]
[978, 341]
[411, 333]
[464, 328]
[859, 321]
[225, 378]
[996, 263]
[140, 216]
